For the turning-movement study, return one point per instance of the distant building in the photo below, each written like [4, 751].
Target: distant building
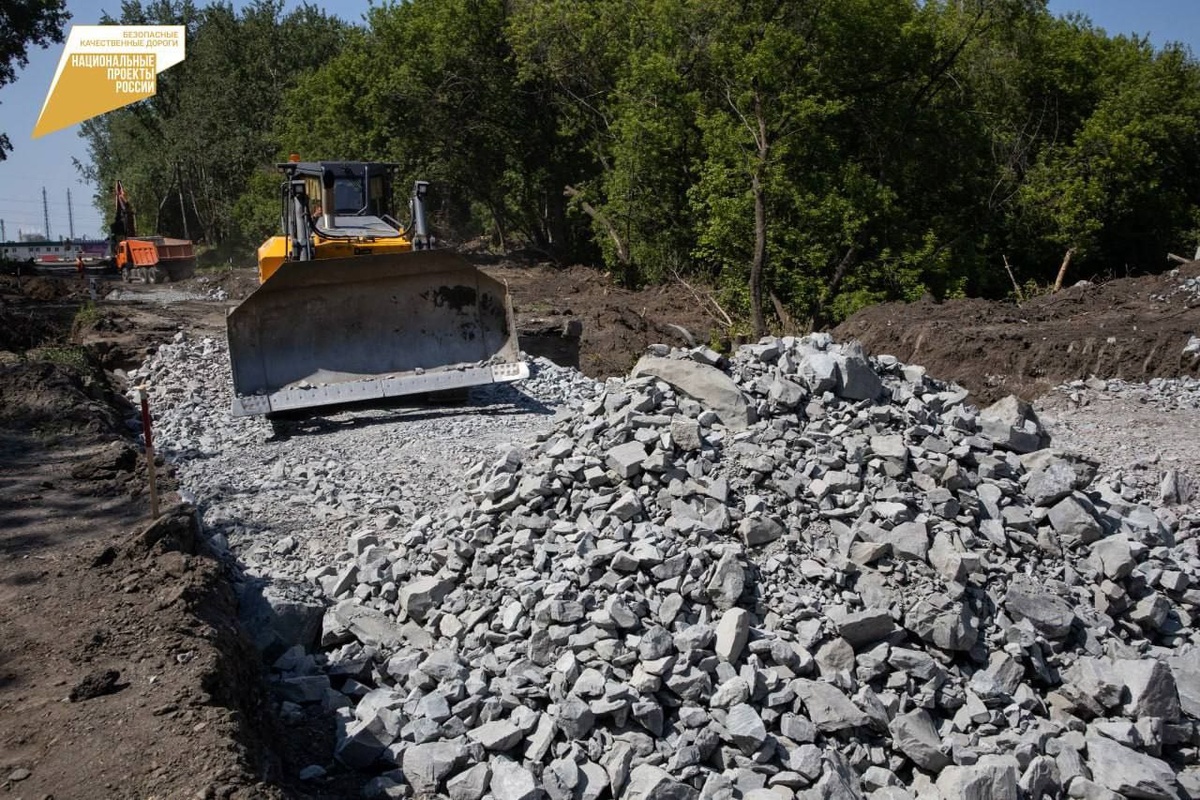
[45, 250]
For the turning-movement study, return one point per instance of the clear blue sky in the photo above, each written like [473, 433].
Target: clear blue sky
[47, 162]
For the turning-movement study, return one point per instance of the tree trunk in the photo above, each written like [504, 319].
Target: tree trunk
[182, 209]
[555, 222]
[622, 246]
[208, 235]
[1062, 271]
[501, 234]
[158, 215]
[820, 318]
[759, 262]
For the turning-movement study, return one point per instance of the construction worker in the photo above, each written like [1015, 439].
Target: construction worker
[79, 265]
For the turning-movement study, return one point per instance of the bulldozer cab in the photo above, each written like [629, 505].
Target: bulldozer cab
[341, 209]
[354, 305]
[357, 189]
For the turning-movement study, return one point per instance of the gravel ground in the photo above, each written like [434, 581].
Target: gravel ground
[466, 591]
[1139, 432]
[284, 503]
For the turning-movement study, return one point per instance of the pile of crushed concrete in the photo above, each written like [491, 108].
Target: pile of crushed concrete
[799, 573]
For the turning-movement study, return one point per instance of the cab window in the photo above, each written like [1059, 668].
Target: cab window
[312, 187]
[378, 201]
[348, 196]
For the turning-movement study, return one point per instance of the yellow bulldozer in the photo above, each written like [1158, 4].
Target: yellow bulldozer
[354, 306]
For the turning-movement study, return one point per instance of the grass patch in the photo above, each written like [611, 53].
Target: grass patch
[537, 308]
[87, 316]
[72, 356]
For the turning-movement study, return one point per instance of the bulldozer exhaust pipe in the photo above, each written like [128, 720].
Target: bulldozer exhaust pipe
[420, 238]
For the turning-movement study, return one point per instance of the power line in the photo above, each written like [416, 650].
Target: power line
[30, 202]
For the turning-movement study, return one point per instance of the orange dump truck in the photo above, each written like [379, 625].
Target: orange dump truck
[155, 259]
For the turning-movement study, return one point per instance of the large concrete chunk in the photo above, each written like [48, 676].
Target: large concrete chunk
[511, 781]
[279, 616]
[1050, 484]
[1012, 425]
[1094, 685]
[707, 385]
[914, 735]
[1113, 557]
[363, 742]
[828, 708]
[369, 626]
[427, 765]
[862, 627]
[1151, 687]
[648, 782]
[471, 784]
[685, 433]
[1074, 522]
[993, 778]
[498, 735]
[1129, 772]
[746, 728]
[820, 372]
[1185, 668]
[626, 459]
[732, 633]
[758, 531]
[1050, 614]
[948, 624]
[859, 379]
[728, 581]
[909, 540]
[418, 597]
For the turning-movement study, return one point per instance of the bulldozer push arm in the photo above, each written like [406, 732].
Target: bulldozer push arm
[349, 311]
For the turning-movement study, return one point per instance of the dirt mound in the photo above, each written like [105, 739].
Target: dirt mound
[47, 399]
[21, 331]
[32, 312]
[617, 324]
[46, 288]
[130, 636]
[236, 283]
[133, 636]
[1131, 328]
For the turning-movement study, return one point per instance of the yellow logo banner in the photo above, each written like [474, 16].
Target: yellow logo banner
[105, 67]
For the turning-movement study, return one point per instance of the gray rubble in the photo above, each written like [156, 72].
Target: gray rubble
[851, 583]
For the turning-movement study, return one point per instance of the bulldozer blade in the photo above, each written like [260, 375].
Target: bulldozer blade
[336, 331]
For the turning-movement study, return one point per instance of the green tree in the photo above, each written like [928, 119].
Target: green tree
[1121, 188]
[26, 23]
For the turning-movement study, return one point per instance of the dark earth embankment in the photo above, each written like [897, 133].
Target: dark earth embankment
[1131, 328]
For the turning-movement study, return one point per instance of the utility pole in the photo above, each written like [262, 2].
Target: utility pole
[3, 235]
[70, 217]
[46, 213]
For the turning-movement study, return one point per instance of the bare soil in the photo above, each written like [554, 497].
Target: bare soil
[1131, 328]
[122, 670]
[617, 324]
